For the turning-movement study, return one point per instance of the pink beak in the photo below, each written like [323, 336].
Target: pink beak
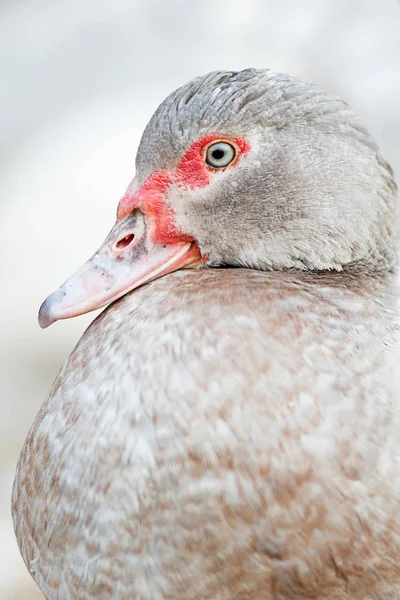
[128, 258]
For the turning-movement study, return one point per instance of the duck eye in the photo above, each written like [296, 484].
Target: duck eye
[220, 155]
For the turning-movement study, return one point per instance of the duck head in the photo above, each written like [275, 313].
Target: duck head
[253, 169]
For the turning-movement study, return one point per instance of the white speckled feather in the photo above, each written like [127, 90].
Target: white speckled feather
[221, 434]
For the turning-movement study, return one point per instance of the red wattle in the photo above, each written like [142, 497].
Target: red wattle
[151, 198]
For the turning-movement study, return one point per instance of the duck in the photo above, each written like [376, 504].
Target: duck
[229, 426]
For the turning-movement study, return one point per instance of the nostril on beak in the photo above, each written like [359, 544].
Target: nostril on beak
[125, 242]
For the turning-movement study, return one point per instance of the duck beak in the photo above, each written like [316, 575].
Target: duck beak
[128, 258]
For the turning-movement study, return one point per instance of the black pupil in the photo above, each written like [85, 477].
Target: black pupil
[218, 154]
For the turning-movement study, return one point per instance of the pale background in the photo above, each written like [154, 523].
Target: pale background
[78, 81]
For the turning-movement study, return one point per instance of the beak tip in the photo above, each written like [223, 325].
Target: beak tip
[46, 316]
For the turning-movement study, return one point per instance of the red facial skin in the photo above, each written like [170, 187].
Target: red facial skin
[192, 172]
[172, 249]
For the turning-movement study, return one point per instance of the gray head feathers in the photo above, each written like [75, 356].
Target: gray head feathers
[313, 193]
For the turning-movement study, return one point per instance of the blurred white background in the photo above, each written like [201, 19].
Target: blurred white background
[78, 81]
